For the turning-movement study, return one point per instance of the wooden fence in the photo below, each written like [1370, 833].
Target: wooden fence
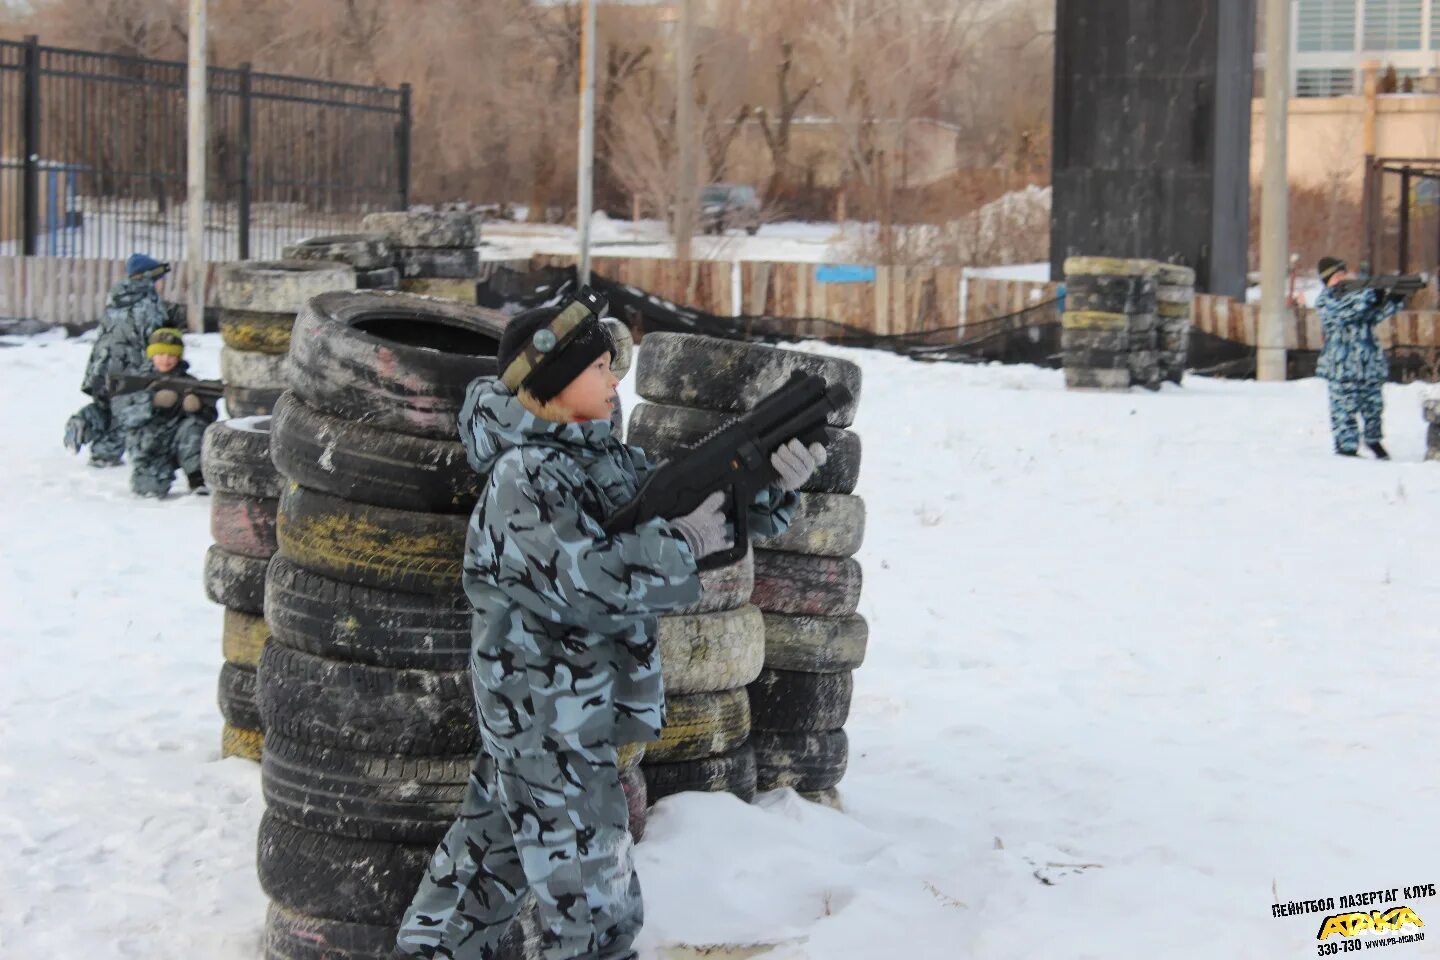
[71, 292]
[883, 300]
[1236, 321]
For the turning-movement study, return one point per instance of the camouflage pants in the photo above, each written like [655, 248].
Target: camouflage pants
[157, 448]
[556, 824]
[1348, 401]
[105, 437]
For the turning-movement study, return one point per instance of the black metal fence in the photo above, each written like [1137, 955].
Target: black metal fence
[93, 156]
[1402, 214]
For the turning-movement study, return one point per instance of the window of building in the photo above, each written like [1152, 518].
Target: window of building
[1325, 25]
[1393, 24]
[1435, 24]
[1324, 83]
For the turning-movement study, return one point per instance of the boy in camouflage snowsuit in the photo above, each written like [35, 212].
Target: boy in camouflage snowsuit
[133, 312]
[1352, 359]
[564, 658]
[164, 427]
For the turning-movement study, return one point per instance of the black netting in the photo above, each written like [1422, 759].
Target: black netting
[1031, 335]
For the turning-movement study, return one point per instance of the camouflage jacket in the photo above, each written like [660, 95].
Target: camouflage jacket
[135, 411]
[1352, 354]
[133, 312]
[564, 654]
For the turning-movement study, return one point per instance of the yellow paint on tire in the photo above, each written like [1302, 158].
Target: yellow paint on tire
[352, 543]
[257, 332]
[236, 742]
[1094, 320]
[242, 638]
[702, 725]
[1109, 267]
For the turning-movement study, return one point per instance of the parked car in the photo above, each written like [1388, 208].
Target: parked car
[724, 205]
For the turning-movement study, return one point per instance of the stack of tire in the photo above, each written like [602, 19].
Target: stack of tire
[1432, 433]
[758, 674]
[235, 458]
[368, 254]
[434, 252]
[1175, 301]
[364, 688]
[258, 303]
[1109, 335]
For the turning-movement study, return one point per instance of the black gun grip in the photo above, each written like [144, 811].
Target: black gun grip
[738, 506]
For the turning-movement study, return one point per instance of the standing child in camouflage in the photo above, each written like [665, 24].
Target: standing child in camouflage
[164, 427]
[564, 657]
[1352, 359]
[132, 313]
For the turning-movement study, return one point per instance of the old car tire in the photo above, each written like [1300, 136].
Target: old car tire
[385, 628]
[362, 463]
[368, 709]
[392, 360]
[708, 652]
[235, 457]
[369, 545]
[791, 701]
[732, 375]
[801, 585]
[279, 286]
[235, 581]
[243, 525]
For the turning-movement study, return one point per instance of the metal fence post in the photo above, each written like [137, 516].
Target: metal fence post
[1404, 219]
[243, 207]
[403, 135]
[30, 173]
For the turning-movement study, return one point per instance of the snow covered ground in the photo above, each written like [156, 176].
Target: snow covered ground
[1140, 666]
[787, 241]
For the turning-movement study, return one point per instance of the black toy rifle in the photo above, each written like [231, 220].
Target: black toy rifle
[1398, 286]
[735, 458]
[132, 383]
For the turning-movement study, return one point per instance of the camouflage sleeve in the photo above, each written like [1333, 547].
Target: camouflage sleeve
[1355, 307]
[131, 410]
[557, 561]
[772, 511]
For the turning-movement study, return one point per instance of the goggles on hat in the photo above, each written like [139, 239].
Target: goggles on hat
[585, 308]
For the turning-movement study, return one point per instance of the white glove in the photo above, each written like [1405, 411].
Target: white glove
[795, 463]
[704, 527]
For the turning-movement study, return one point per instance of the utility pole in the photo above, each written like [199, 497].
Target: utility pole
[685, 131]
[1275, 204]
[584, 177]
[196, 138]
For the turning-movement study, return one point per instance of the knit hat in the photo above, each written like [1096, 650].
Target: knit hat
[1328, 268]
[165, 340]
[139, 265]
[542, 350]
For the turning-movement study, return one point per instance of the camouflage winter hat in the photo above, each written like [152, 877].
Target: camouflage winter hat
[543, 349]
[166, 340]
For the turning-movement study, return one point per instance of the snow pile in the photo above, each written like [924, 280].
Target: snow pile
[1140, 666]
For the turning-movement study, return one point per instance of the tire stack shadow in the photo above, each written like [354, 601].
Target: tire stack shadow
[364, 688]
[245, 490]
[759, 676]
[259, 300]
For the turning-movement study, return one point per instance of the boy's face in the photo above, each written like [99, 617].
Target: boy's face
[591, 395]
[165, 362]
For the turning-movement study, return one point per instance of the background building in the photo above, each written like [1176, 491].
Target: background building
[1332, 39]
